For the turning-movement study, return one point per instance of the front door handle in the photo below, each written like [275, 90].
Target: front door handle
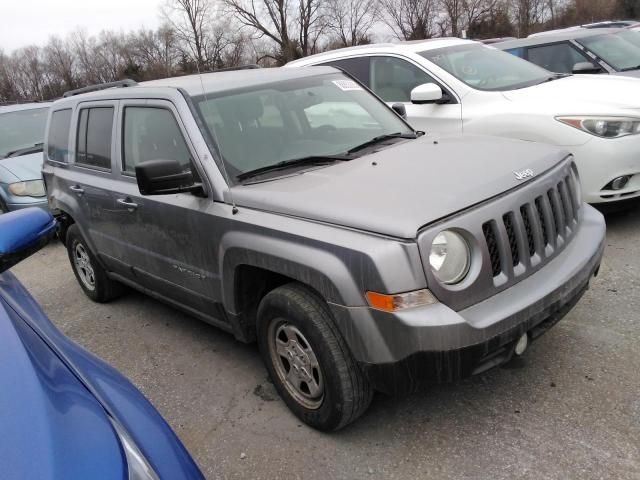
[126, 202]
[77, 189]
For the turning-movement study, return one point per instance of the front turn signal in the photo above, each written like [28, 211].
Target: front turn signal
[400, 301]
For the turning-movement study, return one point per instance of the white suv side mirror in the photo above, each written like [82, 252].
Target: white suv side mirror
[426, 93]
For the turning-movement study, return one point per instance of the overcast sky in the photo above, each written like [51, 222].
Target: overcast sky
[27, 22]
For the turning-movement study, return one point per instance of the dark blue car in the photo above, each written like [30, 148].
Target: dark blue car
[64, 413]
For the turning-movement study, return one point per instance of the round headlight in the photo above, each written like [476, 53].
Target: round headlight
[450, 257]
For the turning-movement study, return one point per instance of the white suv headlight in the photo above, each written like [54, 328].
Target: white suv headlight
[450, 257]
[605, 127]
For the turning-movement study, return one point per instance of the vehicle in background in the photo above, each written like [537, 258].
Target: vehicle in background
[461, 86]
[610, 51]
[65, 413]
[21, 139]
[491, 41]
[294, 208]
[589, 26]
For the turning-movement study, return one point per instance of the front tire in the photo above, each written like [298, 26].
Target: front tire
[308, 360]
[93, 279]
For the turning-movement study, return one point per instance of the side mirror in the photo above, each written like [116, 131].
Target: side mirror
[586, 67]
[162, 177]
[400, 109]
[23, 233]
[427, 93]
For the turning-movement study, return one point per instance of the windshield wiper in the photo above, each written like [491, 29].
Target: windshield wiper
[382, 138]
[295, 162]
[637, 67]
[25, 150]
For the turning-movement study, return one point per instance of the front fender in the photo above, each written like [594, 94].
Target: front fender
[322, 270]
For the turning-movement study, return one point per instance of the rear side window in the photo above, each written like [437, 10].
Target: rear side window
[95, 128]
[58, 141]
[152, 134]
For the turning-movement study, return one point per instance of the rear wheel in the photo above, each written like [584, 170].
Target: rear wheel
[90, 275]
[308, 360]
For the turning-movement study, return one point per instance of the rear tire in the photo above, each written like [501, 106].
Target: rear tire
[308, 360]
[93, 279]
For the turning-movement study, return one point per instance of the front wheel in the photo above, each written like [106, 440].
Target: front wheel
[308, 360]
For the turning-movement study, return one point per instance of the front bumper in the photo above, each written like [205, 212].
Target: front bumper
[601, 160]
[433, 343]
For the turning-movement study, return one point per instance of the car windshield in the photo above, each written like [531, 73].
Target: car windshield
[486, 68]
[618, 50]
[21, 129]
[280, 122]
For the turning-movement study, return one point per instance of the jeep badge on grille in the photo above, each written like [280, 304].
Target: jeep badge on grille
[521, 175]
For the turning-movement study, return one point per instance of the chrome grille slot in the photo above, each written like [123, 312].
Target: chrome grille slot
[509, 224]
[543, 221]
[524, 212]
[492, 245]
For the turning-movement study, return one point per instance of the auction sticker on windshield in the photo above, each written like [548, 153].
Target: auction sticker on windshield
[347, 85]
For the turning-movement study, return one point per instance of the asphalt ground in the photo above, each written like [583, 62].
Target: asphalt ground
[568, 409]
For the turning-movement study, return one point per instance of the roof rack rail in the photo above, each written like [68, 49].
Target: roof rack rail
[127, 82]
[249, 66]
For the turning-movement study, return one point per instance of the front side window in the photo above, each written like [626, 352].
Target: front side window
[22, 130]
[287, 120]
[95, 130]
[392, 79]
[559, 57]
[58, 141]
[152, 134]
[486, 68]
[615, 50]
[358, 67]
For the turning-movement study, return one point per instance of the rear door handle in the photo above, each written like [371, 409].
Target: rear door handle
[77, 189]
[126, 202]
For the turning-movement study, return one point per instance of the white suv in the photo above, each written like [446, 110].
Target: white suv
[454, 85]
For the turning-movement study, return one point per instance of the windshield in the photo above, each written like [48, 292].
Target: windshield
[486, 68]
[288, 120]
[615, 49]
[21, 129]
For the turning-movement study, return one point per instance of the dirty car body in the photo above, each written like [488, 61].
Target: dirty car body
[339, 211]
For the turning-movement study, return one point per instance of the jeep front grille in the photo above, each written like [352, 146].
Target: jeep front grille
[538, 229]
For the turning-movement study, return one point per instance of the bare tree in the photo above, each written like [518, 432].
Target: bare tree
[294, 31]
[410, 19]
[351, 20]
[191, 21]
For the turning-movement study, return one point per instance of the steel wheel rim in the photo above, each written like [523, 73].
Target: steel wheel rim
[296, 364]
[83, 266]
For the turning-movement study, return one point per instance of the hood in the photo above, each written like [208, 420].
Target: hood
[398, 189]
[24, 167]
[52, 427]
[629, 73]
[580, 94]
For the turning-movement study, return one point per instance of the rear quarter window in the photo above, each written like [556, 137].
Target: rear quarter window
[58, 139]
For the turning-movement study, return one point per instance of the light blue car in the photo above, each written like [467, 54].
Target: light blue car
[21, 138]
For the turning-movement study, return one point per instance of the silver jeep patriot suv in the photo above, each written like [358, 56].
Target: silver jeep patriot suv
[294, 208]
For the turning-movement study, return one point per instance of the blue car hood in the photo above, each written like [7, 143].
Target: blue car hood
[24, 167]
[90, 389]
[52, 426]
